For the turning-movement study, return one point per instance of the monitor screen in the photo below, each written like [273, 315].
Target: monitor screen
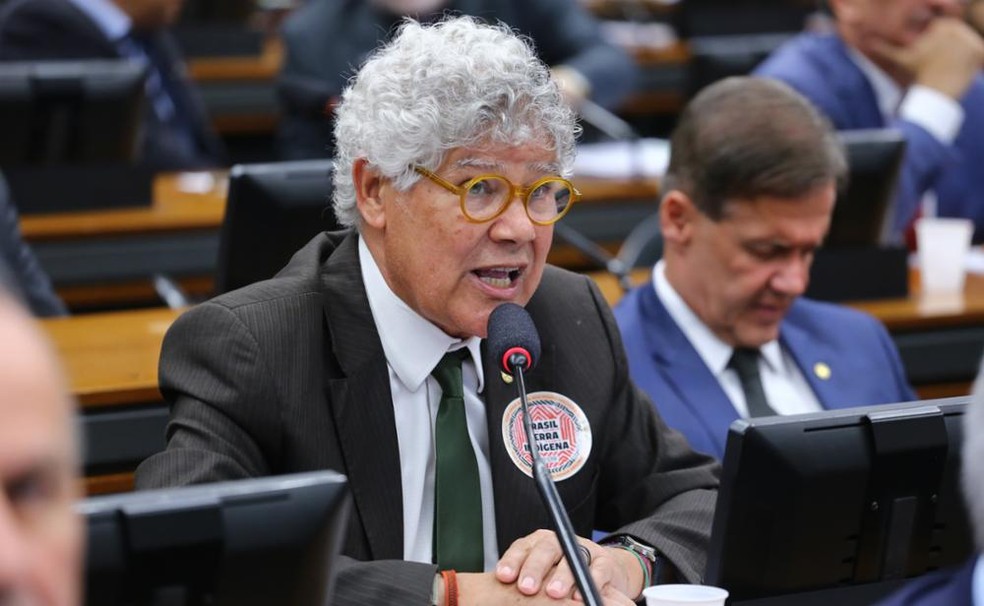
[272, 211]
[248, 542]
[70, 112]
[839, 507]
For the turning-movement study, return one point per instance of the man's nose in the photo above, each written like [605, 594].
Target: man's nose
[793, 276]
[513, 224]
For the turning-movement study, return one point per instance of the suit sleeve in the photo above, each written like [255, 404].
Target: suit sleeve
[225, 425]
[651, 474]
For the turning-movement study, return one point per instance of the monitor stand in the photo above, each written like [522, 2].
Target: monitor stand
[76, 187]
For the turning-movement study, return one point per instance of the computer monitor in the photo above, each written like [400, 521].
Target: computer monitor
[245, 543]
[60, 112]
[863, 210]
[839, 507]
[72, 133]
[272, 211]
[855, 263]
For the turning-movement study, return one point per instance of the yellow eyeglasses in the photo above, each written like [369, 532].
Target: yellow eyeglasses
[487, 196]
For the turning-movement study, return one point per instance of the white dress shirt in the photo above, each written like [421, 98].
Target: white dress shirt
[413, 347]
[977, 584]
[785, 387]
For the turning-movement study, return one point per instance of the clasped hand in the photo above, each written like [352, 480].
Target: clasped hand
[533, 571]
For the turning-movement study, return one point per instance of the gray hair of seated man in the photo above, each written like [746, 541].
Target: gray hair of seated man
[434, 88]
[973, 460]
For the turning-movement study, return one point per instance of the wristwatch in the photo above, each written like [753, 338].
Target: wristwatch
[645, 553]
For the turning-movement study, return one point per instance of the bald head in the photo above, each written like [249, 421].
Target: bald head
[40, 535]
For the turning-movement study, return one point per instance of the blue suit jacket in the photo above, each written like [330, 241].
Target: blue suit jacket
[865, 366]
[819, 67]
[949, 587]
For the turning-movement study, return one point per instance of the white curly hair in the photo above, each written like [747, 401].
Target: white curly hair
[434, 88]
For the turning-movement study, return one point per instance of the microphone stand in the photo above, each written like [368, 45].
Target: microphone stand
[548, 492]
[596, 253]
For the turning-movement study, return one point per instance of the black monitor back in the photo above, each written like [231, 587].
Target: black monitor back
[863, 210]
[855, 263]
[61, 112]
[839, 507]
[244, 543]
[272, 211]
[72, 133]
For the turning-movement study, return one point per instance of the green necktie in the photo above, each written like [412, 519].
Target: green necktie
[457, 493]
[745, 362]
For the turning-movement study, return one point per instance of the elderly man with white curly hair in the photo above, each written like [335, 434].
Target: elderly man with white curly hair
[367, 353]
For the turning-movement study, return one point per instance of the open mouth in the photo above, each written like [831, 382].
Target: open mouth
[499, 277]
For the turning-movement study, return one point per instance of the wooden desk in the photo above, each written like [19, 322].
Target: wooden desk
[111, 363]
[105, 258]
[111, 359]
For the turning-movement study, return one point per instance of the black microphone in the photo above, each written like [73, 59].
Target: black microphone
[515, 344]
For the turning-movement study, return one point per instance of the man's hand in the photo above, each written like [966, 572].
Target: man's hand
[484, 589]
[537, 562]
[946, 57]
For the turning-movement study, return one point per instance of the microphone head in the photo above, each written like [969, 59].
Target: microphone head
[511, 331]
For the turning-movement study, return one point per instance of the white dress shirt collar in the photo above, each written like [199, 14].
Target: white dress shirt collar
[413, 346]
[110, 18]
[713, 351]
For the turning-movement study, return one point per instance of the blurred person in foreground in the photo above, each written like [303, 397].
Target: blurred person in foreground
[914, 65]
[721, 332]
[40, 534]
[176, 131]
[366, 354]
[962, 586]
[327, 40]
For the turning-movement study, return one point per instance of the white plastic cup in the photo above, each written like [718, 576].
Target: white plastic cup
[684, 595]
[943, 246]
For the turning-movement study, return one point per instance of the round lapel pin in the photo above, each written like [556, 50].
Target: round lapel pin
[560, 427]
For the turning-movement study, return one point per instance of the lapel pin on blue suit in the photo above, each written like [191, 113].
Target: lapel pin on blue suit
[562, 432]
[821, 370]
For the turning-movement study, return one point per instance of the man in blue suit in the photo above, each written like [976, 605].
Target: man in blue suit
[963, 586]
[914, 65]
[721, 332]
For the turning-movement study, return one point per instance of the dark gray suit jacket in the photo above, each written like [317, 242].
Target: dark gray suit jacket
[48, 30]
[289, 375]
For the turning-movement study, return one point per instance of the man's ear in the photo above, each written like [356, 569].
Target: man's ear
[677, 215]
[368, 189]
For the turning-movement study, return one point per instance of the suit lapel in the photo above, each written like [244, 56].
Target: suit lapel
[683, 369]
[853, 88]
[814, 359]
[360, 398]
